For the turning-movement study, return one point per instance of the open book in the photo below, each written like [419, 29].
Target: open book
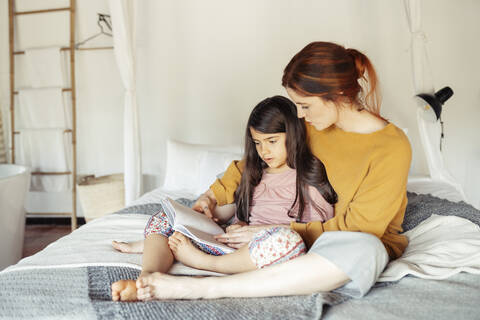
[193, 224]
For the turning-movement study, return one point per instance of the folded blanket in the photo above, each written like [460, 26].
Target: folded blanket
[438, 248]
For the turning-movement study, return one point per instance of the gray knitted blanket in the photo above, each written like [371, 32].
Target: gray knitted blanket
[84, 293]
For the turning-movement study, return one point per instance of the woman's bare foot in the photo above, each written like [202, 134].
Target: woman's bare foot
[185, 252]
[124, 290]
[128, 247]
[162, 286]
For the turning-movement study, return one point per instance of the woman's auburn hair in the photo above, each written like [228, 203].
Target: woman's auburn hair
[334, 73]
[274, 115]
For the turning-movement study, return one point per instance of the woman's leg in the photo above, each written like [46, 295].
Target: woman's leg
[351, 261]
[290, 278]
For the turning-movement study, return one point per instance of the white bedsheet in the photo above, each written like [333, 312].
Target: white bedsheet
[438, 248]
[90, 245]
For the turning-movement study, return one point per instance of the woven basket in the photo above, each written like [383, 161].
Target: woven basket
[101, 195]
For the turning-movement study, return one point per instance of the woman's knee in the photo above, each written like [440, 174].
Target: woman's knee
[361, 256]
[275, 245]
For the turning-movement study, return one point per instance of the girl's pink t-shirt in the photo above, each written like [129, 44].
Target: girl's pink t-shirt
[274, 196]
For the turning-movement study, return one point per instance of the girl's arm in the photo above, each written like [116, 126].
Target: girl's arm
[224, 213]
[207, 204]
[241, 235]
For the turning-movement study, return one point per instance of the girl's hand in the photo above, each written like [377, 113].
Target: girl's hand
[206, 204]
[235, 226]
[237, 235]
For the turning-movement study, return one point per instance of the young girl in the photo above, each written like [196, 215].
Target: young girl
[282, 182]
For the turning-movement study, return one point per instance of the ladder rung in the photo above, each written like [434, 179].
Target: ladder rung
[49, 213]
[38, 173]
[93, 48]
[65, 131]
[61, 49]
[68, 49]
[63, 90]
[41, 11]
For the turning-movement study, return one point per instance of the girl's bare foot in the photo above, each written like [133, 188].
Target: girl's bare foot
[128, 247]
[185, 252]
[162, 286]
[124, 290]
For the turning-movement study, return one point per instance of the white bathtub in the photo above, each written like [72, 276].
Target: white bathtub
[14, 184]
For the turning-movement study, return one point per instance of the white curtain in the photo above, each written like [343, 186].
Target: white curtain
[3, 142]
[423, 83]
[123, 25]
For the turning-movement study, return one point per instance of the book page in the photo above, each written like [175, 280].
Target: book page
[188, 217]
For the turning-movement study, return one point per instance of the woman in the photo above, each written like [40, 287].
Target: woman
[367, 161]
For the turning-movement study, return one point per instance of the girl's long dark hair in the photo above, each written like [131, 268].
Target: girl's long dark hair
[274, 115]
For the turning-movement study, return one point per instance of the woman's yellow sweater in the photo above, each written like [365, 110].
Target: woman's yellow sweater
[368, 172]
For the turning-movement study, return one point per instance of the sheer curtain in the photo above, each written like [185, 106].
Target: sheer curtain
[123, 25]
[423, 83]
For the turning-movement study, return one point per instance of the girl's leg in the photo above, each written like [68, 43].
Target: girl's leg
[185, 252]
[157, 257]
[268, 247]
[128, 247]
[350, 260]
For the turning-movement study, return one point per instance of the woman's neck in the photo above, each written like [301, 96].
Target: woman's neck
[352, 120]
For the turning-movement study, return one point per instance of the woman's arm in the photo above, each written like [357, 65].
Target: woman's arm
[377, 206]
[224, 188]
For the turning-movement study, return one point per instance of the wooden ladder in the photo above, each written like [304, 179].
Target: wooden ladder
[71, 49]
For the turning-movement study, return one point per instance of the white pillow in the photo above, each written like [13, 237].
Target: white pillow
[192, 168]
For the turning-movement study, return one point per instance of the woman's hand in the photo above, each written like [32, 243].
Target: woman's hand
[206, 204]
[238, 235]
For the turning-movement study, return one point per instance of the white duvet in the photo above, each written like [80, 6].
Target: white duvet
[439, 247]
[91, 245]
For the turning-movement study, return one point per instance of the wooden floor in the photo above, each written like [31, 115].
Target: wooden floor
[38, 236]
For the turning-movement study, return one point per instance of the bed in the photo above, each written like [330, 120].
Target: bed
[71, 277]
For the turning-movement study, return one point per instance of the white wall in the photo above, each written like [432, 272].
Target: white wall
[453, 30]
[207, 63]
[203, 65]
